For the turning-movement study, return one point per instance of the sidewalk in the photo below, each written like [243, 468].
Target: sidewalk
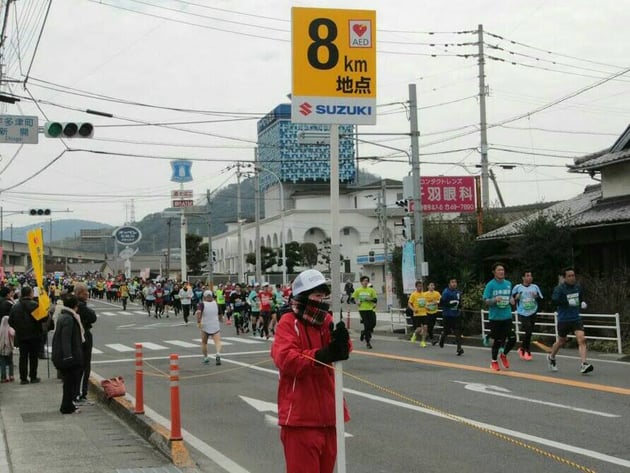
[37, 437]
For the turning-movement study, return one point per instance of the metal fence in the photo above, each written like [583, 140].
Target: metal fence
[607, 323]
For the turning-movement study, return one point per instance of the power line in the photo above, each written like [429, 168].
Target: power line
[571, 132]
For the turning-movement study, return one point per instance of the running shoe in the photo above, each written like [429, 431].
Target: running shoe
[442, 341]
[528, 356]
[586, 368]
[460, 351]
[217, 360]
[434, 341]
[369, 345]
[505, 361]
[362, 335]
[551, 363]
[423, 344]
[205, 360]
[522, 354]
[413, 338]
[486, 340]
[495, 365]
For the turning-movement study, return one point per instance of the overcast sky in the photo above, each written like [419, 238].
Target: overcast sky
[228, 62]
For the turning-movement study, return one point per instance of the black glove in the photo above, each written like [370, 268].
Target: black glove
[338, 348]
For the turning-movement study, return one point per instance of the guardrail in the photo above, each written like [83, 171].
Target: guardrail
[548, 319]
[399, 319]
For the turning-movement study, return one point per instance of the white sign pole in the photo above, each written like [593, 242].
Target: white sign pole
[336, 289]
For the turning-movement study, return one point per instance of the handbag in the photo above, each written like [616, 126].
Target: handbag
[114, 387]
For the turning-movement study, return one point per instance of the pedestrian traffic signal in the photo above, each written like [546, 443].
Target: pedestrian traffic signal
[214, 256]
[370, 257]
[68, 130]
[39, 212]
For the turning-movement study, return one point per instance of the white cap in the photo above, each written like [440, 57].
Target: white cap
[208, 294]
[256, 284]
[265, 284]
[307, 280]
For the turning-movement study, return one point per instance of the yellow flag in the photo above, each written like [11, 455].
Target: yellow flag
[36, 248]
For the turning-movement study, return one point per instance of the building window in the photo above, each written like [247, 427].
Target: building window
[346, 231]
[399, 196]
[377, 241]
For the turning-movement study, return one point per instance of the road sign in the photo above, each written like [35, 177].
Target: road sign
[183, 203]
[334, 66]
[181, 194]
[181, 170]
[127, 235]
[20, 129]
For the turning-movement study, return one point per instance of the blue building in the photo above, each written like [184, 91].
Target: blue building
[280, 152]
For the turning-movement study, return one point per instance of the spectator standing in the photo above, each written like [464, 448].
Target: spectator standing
[88, 318]
[28, 333]
[67, 351]
[569, 297]
[7, 339]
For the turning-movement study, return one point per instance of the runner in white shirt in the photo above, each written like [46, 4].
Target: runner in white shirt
[208, 322]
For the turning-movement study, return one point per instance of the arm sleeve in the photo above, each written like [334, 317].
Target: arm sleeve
[287, 352]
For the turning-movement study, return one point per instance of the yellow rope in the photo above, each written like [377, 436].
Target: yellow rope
[398, 395]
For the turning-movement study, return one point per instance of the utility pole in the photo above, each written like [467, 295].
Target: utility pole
[415, 172]
[241, 275]
[210, 255]
[168, 247]
[383, 216]
[482, 123]
[257, 212]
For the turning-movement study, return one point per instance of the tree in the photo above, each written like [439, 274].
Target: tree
[267, 256]
[293, 251]
[324, 251]
[196, 253]
[309, 254]
[544, 247]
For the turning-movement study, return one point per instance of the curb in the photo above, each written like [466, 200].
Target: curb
[155, 433]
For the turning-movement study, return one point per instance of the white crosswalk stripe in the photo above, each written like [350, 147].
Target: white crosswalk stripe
[243, 340]
[211, 342]
[152, 346]
[119, 347]
[168, 344]
[181, 343]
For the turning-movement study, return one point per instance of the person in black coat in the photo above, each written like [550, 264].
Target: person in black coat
[88, 318]
[28, 333]
[67, 351]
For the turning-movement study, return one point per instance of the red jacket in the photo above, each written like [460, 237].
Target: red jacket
[306, 391]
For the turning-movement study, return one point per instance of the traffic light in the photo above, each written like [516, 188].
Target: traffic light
[68, 130]
[404, 203]
[214, 256]
[406, 230]
[39, 212]
[371, 257]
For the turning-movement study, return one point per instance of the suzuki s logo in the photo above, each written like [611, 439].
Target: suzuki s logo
[306, 109]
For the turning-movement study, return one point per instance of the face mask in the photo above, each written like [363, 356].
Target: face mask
[313, 312]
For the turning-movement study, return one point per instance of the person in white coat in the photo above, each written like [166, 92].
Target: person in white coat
[208, 322]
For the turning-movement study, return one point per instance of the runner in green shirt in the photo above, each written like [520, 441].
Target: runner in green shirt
[366, 298]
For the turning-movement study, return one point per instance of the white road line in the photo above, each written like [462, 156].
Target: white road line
[119, 347]
[242, 340]
[181, 343]
[109, 314]
[211, 342]
[96, 351]
[152, 346]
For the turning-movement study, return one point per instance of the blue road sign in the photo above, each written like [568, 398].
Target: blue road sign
[181, 171]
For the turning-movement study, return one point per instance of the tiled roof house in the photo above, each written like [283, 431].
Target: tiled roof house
[600, 216]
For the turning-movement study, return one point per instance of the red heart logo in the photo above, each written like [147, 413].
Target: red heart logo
[359, 29]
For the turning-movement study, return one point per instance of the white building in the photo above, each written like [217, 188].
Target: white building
[307, 219]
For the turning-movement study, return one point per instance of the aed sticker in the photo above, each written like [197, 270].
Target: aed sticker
[360, 33]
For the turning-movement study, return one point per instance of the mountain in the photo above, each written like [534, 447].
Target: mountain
[155, 227]
[66, 229]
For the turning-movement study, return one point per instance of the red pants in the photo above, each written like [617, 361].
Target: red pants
[309, 449]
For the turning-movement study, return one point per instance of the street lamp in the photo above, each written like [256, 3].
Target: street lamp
[282, 245]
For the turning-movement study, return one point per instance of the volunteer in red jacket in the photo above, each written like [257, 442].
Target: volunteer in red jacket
[306, 341]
